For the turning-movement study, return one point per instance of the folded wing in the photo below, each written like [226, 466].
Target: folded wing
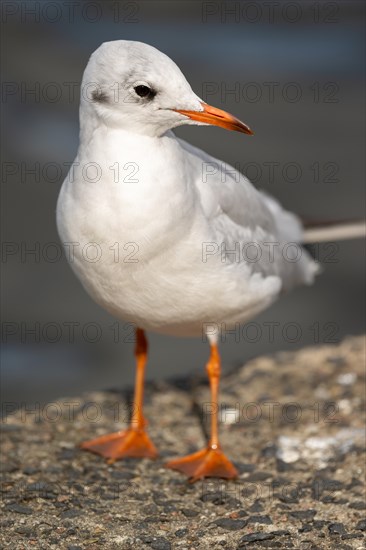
[248, 225]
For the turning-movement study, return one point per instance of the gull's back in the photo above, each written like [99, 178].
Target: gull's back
[250, 225]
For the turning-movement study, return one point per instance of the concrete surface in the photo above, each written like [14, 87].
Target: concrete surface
[292, 423]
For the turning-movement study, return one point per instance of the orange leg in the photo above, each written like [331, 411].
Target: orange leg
[210, 462]
[134, 441]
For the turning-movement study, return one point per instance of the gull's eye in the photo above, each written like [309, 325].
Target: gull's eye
[144, 91]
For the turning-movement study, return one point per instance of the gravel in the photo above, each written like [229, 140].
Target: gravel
[295, 438]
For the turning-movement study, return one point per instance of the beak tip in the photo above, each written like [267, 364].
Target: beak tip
[217, 117]
[246, 130]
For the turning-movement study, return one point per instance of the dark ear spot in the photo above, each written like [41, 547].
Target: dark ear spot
[99, 96]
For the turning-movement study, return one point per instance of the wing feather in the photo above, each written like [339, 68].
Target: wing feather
[248, 224]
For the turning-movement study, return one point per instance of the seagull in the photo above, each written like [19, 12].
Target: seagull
[165, 236]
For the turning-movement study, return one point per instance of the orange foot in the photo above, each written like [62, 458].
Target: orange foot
[206, 463]
[132, 442]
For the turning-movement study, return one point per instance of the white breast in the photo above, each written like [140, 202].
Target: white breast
[140, 244]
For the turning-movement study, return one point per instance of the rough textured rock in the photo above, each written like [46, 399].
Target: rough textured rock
[292, 423]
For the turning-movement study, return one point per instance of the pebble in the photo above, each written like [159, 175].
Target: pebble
[255, 537]
[358, 505]
[219, 498]
[30, 470]
[347, 379]
[260, 519]
[160, 543]
[19, 509]
[320, 523]
[189, 513]
[181, 533]
[336, 529]
[303, 515]
[24, 530]
[150, 509]
[305, 528]
[256, 507]
[243, 467]
[258, 476]
[231, 524]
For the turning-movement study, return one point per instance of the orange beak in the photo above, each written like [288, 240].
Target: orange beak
[217, 117]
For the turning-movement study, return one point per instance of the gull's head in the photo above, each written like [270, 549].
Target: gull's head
[133, 86]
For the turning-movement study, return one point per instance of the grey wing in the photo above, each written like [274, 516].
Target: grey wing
[250, 225]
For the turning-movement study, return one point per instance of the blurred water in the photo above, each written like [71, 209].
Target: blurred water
[305, 132]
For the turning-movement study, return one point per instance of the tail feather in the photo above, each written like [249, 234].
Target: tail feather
[334, 231]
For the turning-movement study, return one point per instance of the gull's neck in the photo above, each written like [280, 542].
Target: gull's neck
[91, 121]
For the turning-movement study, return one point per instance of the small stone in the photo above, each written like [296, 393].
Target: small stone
[354, 483]
[255, 537]
[361, 525]
[67, 454]
[152, 519]
[140, 525]
[305, 528]
[181, 533]
[160, 543]
[258, 476]
[24, 530]
[231, 524]
[283, 466]
[189, 513]
[216, 498]
[147, 539]
[269, 451]
[244, 467]
[347, 379]
[19, 509]
[260, 519]
[30, 470]
[168, 508]
[319, 523]
[358, 505]
[256, 507]
[150, 509]
[303, 515]
[336, 529]
[323, 484]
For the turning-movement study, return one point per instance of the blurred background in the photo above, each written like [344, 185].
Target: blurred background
[292, 70]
